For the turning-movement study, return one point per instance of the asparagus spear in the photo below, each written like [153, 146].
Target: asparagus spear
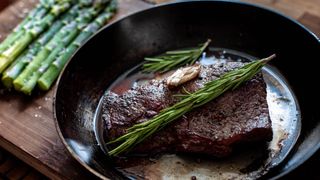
[20, 44]
[41, 55]
[20, 63]
[34, 15]
[37, 13]
[46, 80]
[47, 3]
[27, 80]
[85, 2]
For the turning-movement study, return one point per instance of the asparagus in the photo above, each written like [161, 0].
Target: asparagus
[92, 2]
[34, 15]
[20, 63]
[20, 44]
[48, 3]
[49, 76]
[27, 80]
[37, 13]
[45, 52]
[85, 2]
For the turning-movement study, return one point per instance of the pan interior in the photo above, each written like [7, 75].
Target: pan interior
[252, 161]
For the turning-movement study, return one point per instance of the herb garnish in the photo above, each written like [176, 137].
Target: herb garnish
[174, 59]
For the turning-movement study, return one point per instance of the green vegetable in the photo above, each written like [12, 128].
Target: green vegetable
[18, 46]
[27, 80]
[49, 52]
[46, 80]
[24, 59]
[229, 81]
[37, 13]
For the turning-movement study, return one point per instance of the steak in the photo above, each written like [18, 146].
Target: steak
[237, 116]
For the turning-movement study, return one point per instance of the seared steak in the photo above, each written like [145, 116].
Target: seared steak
[235, 117]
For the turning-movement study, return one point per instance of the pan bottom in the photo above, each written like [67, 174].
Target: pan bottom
[249, 162]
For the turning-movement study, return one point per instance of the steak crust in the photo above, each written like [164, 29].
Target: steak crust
[237, 116]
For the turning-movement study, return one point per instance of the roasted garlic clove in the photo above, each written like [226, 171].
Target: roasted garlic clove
[183, 75]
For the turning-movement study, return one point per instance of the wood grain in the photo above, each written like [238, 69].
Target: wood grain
[26, 123]
[14, 169]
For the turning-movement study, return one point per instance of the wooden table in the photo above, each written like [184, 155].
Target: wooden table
[26, 123]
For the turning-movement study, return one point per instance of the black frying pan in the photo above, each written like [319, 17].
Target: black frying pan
[232, 25]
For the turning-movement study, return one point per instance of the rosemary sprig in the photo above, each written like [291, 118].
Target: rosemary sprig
[190, 101]
[174, 59]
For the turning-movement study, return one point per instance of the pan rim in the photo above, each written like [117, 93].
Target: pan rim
[258, 7]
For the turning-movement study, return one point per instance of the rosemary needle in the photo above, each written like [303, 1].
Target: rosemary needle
[190, 101]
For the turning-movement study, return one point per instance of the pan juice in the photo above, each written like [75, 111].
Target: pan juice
[250, 162]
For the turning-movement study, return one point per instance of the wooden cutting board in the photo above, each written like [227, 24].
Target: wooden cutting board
[26, 123]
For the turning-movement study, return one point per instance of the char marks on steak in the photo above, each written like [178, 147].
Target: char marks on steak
[237, 116]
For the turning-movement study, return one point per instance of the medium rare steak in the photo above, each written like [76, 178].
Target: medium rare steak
[237, 116]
